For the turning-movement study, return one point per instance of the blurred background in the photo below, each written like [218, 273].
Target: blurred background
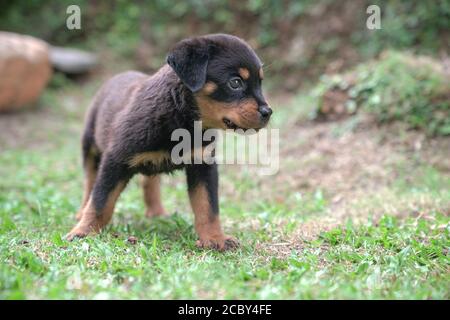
[298, 39]
[364, 120]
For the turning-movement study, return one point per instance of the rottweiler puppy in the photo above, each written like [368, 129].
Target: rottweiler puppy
[215, 79]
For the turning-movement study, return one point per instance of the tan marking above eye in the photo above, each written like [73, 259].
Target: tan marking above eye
[150, 157]
[244, 73]
[261, 73]
[209, 88]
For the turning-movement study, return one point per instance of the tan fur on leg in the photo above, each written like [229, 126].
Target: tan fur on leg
[90, 221]
[207, 223]
[152, 196]
[90, 173]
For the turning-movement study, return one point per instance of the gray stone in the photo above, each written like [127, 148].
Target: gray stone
[72, 61]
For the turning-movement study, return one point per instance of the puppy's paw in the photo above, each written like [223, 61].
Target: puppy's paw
[77, 232]
[222, 244]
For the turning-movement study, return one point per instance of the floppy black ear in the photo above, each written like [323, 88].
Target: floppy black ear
[189, 59]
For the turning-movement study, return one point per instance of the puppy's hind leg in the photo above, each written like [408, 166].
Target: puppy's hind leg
[111, 180]
[91, 160]
[151, 186]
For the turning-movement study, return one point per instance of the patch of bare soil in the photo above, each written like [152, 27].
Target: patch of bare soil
[27, 129]
[356, 164]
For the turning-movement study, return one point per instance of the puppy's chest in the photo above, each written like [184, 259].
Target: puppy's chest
[153, 162]
[170, 157]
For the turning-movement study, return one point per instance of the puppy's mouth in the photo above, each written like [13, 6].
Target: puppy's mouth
[231, 125]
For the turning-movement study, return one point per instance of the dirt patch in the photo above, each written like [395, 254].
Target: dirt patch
[357, 164]
[26, 129]
[347, 156]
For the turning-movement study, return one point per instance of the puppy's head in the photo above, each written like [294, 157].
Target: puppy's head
[225, 75]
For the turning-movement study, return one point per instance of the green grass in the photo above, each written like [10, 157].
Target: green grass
[388, 259]
[40, 190]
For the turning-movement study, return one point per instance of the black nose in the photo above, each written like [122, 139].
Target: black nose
[265, 111]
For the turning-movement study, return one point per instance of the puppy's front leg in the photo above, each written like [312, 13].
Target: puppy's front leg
[202, 182]
[112, 179]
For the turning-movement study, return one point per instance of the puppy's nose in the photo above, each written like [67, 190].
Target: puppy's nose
[265, 112]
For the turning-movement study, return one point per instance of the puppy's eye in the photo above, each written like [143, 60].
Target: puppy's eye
[235, 83]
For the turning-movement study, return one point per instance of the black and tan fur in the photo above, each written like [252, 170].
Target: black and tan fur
[129, 125]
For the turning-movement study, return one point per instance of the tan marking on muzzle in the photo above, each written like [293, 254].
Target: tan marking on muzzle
[244, 113]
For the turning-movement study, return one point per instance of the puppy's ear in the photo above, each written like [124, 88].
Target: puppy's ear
[189, 59]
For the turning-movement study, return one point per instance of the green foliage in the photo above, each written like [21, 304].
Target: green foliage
[44, 19]
[123, 23]
[290, 36]
[422, 25]
[398, 86]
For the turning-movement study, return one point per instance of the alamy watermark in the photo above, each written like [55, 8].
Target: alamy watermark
[374, 20]
[73, 21]
[248, 147]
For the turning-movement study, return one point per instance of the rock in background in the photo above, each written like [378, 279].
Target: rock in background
[72, 61]
[24, 70]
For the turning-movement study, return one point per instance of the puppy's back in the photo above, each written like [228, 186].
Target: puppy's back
[110, 99]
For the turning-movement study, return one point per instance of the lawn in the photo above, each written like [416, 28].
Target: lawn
[349, 215]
